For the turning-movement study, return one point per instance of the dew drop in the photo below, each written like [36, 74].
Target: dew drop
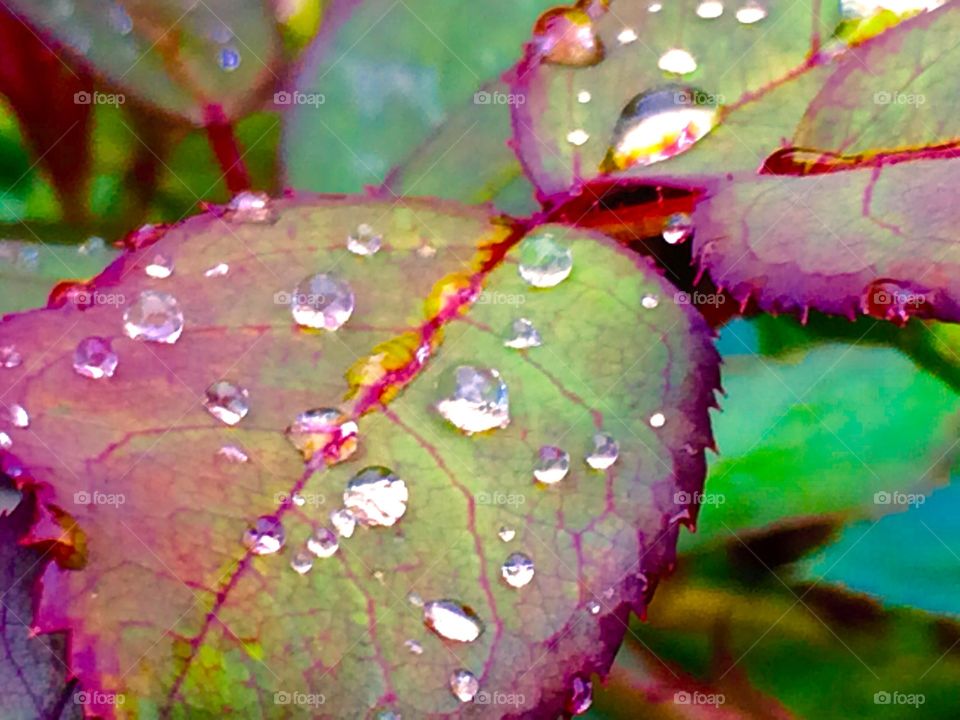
[323, 430]
[92, 245]
[323, 543]
[710, 9]
[228, 59]
[650, 301]
[452, 620]
[658, 125]
[218, 270]
[376, 497]
[10, 357]
[605, 452]
[657, 420]
[414, 647]
[160, 266]
[544, 261]
[94, 358]
[233, 453]
[415, 599]
[627, 36]
[522, 335]
[364, 241]
[344, 522]
[18, 416]
[322, 302]
[750, 13]
[227, 402]
[581, 696]
[584, 96]
[474, 399]
[5, 442]
[464, 685]
[567, 36]
[678, 228]
[654, 7]
[517, 570]
[154, 317]
[302, 562]
[678, 61]
[593, 607]
[506, 534]
[552, 466]
[251, 207]
[266, 536]
[578, 137]
[298, 499]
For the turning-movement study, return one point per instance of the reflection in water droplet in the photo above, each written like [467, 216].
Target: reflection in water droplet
[677, 60]
[584, 97]
[581, 696]
[94, 358]
[650, 301]
[710, 9]
[452, 620]
[228, 59]
[678, 228]
[344, 522]
[657, 420]
[593, 607]
[414, 647]
[544, 261]
[376, 496]
[227, 402]
[154, 317]
[218, 270]
[464, 685]
[302, 562]
[322, 302]
[578, 137]
[18, 416]
[266, 536]
[474, 399]
[517, 570]
[605, 452]
[5, 442]
[251, 207]
[233, 453]
[506, 534]
[552, 465]
[566, 36]
[323, 430]
[160, 266]
[10, 357]
[364, 241]
[323, 543]
[750, 13]
[660, 124]
[522, 335]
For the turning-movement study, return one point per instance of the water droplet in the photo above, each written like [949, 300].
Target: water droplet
[650, 301]
[266, 536]
[627, 36]
[302, 562]
[657, 420]
[414, 647]
[581, 696]
[228, 59]
[344, 522]
[10, 357]
[426, 251]
[376, 496]
[94, 358]
[298, 499]
[544, 261]
[660, 124]
[452, 620]
[522, 335]
[677, 60]
[218, 270]
[593, 607]
[227, 402]
[92, 245]
[323, 430]
[5, 442]
[678, 228]
[506, 534]
[323, 302]
[364, 241]
[750, 13]
[160, 266]
[415, 599]
[251, 207]
[710, 9]
[464, 685]
[474, 399]
[323, 543]
[233, 453]
[578, 137]
[584, 96]
[654, 7]
[154, 317]
[567, 36]
[552, 465]
[517, 570]
[120, 19]
[18, 416]
[606, 450]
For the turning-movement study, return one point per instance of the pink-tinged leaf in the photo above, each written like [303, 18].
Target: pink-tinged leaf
[166, 607]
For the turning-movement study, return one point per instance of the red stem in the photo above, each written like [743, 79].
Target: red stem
[223, 141]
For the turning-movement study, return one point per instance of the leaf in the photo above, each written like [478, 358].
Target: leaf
[390, 75]
[171, 611]
[202, 61]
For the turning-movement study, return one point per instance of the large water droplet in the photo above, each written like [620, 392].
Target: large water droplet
[567, 36]
[605, 452]
[323, 302]
[452, 620]
[658, 125]
[228, 59]
[364, 241]
[266, 536]
[517, 570]
[251, 207]
[581, 696]
[344, 522]
[522, 335]
[10, 357]
[678, 228]
[678, 61]
[710, 9]
[474, 399]
[154, 317]
[552, 465]
[94, 358]
[750, 13]
[584, 96]
[323, 543]
[227, 402]
[506, 534]
[376, 496]
[302, 562]
[323, 430]
[464, 685]
[544, 261]
[160, 266]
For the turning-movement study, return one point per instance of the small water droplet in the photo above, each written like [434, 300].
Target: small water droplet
[323, 543]
[92, 245]
[233, 453]
[517, 570]
[452, 620]
[578, 137]
[660, 124]
[474, 399]
[251, 207]
[160, 266]
[627, 36]
[298, 499]
[567, 36]
[552, 466]
[605, 452]
[5, 442]
[10, 357]
[581, 696]
[464, 685]
[506, 534]
[678, 228]
[657, 420]
[154, 317]
[750, 13]
[710, 9]
[654, 7]
[344, 522]
[426, 251]
[94, 358]
[322, 302]
[18, 416]
[650, 301]
[584, 96]
[364, 241]
[266, 536]
[677, 60]
[544, 261]
[228, 59]
[415, 599]
[593, 607]
[218, 270]
[376, 496]
[323, 430]
[414, 647]
[227, 402]
[302, 562]
[522, 335]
